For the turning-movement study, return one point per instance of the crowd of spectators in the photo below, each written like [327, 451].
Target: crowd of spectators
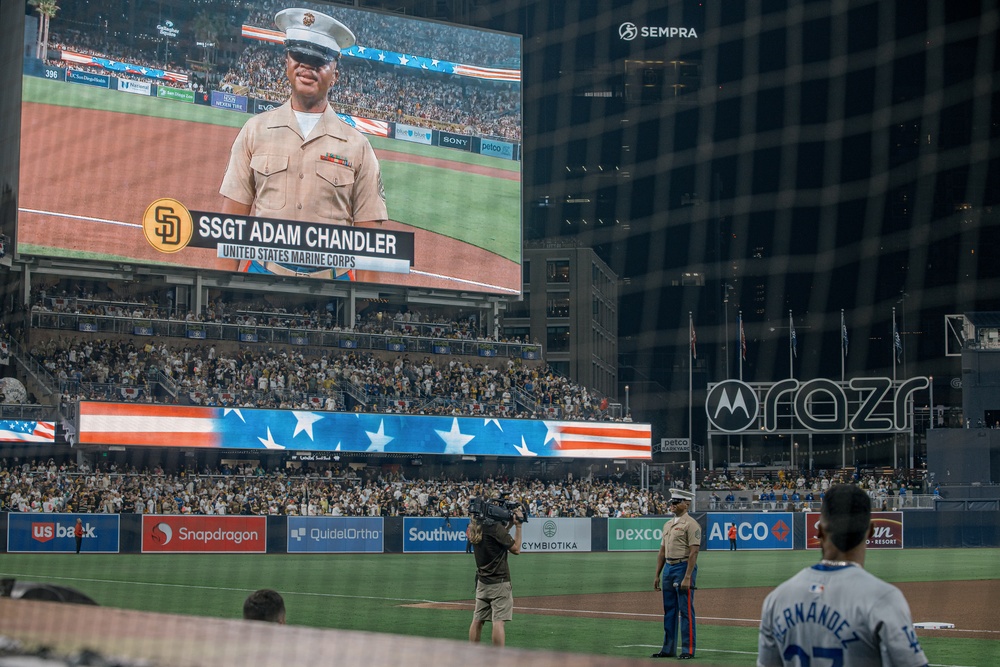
[802, 489]
[90, 45]
[381, 91]
[48, 487]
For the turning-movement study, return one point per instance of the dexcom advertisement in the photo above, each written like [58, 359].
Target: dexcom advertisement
[204, 534]
[53, 533]
[332, 535]
[754, 531]
[635, 534]
[434, 535]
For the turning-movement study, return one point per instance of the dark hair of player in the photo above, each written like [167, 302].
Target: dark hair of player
[264, 605]
[847, 513]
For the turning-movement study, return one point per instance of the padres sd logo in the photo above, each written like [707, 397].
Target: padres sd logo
[167, 225]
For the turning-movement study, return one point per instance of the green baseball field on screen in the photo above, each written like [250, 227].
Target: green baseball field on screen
[478, 209]
[386, 592]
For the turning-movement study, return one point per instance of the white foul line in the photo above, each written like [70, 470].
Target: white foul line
[80, 217]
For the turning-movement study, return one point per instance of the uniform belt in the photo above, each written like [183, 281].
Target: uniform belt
[676, 562]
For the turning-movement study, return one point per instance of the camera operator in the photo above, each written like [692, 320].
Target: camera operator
[491, 542]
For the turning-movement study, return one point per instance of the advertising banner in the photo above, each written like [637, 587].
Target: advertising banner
[136, 87]
[88, 78]
[417, 135]
[260, 106]
[229, 101]
[203, 534]
[496, 148]
[53, 533]
[459, 141]
[168, 93]
[888, 530]
[441, 349]
[755, 531]
[635, 534]
[434, 535]
[157, 425]
[543, 534]
[335, 534]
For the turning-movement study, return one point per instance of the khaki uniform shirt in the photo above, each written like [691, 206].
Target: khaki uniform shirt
[333, 176]
[679, 535]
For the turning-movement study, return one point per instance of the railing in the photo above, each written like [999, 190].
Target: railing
[751, 502]
[47, 382]
[317, 339]
[29, 412]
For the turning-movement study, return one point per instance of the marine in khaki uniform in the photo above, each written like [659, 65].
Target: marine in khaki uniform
[677, 564]
[300, 161]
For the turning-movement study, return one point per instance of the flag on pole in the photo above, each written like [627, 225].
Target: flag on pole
[897, 342]
[793, 341]
[694, 340]
[743, 340]
[843, 332]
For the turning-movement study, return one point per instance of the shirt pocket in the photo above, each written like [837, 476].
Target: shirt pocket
[270, 178]
[338, 181]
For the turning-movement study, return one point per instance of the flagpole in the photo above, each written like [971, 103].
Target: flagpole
[843, 346]
[740, 346]
[690, 381]
[892, 343]
[791, 345]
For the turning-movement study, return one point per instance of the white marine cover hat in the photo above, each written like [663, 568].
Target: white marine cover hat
[680, 494]
[314, 33]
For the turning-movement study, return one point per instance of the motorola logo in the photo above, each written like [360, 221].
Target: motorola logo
[732, 406]
[628, 31]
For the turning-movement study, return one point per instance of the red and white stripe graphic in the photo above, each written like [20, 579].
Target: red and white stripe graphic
[263, 34]
[147, 425]
[492, 73]
[378, 128]
[602, 439]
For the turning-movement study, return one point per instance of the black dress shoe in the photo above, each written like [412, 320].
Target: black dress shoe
[685, 656]
[661, 654]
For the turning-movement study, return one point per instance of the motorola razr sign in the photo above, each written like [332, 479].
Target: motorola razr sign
[857, 405]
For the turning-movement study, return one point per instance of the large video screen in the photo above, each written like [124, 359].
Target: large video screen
[129, 120]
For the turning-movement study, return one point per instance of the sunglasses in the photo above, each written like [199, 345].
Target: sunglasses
[676, 501]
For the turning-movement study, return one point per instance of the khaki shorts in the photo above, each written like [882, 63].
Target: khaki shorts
[494, 602]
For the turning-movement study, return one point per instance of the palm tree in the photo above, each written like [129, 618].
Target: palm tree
[46, 11]
[208, 27]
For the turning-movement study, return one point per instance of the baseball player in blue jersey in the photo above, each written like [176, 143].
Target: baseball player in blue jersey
[834, 612]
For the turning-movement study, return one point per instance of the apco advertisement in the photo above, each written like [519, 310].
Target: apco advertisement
[434, 535]
[332, 535]
[204, 534]
[888, 530]
[754, 531]
[635, 534]
[53, 533]
[543, 534]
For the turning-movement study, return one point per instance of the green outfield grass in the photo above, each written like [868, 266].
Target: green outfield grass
[376, 592]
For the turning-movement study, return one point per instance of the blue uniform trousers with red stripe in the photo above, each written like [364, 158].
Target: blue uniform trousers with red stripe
[678, 605]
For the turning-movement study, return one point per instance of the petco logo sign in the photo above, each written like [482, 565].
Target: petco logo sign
[204, 534]
[53, 533]
[629, 31]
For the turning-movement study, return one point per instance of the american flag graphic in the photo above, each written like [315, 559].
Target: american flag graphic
[246, 428]
[16, 430]
[492, 73]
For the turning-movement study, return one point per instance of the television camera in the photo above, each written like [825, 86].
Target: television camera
[500, 509]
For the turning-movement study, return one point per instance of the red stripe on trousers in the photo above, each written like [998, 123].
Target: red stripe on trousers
[690, 622]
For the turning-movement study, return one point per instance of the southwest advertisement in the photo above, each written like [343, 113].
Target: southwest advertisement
[335, 535]
[434, 535]
[755, 531]
[443, 179]
[53, 533]
[888, 533]
[204, 534]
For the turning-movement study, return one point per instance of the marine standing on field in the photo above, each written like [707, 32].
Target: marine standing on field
[301, 161]
[679, 556]
[835, 612]
[491, 542]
